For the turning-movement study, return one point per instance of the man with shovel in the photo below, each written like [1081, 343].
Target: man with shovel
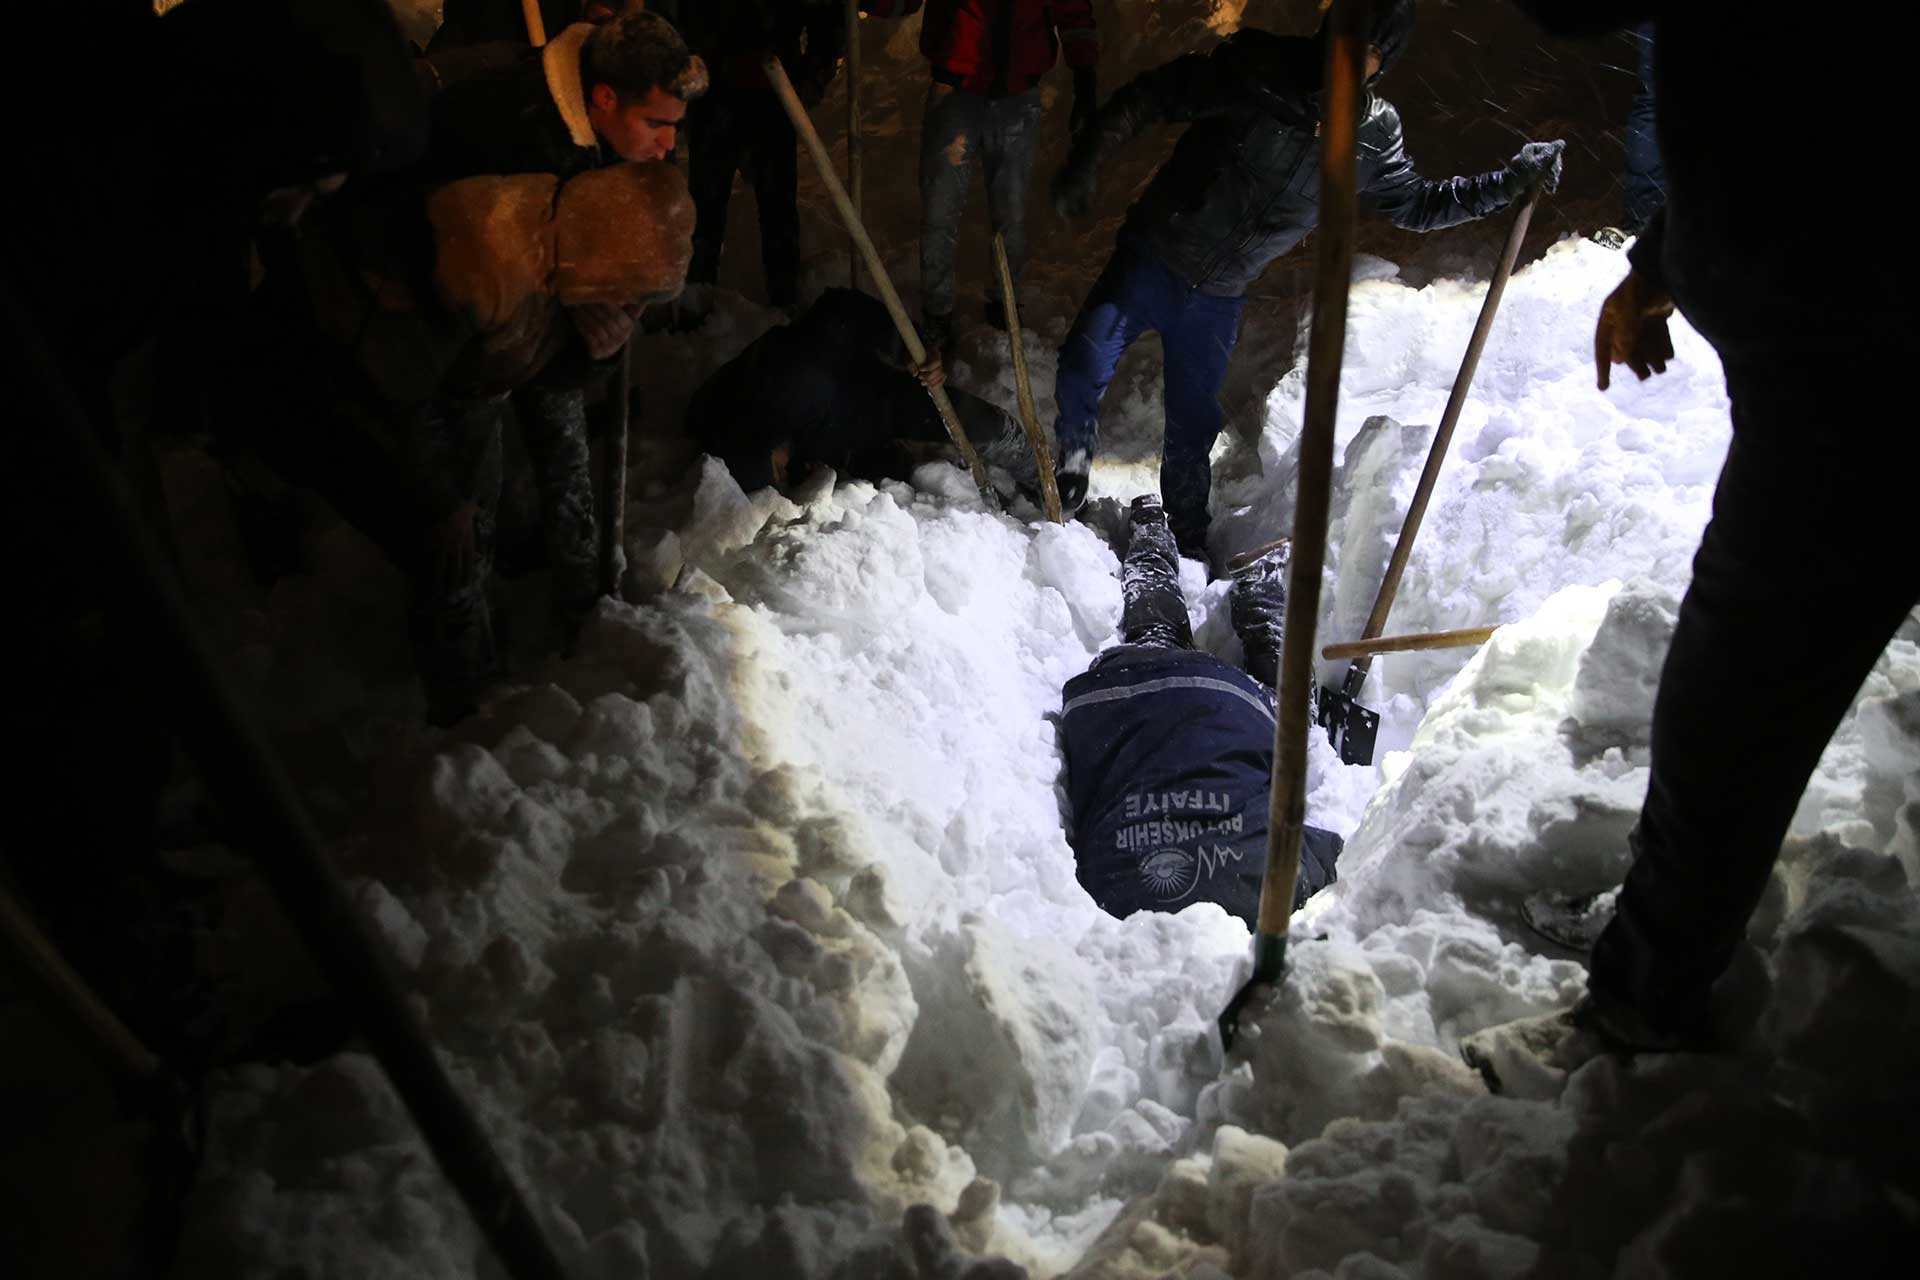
[1170, 751]
[1238, 191]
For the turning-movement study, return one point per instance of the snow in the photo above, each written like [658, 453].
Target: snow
[752, 926]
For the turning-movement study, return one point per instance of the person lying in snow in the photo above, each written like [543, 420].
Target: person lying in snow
[1241, 188]
[834, 388]
[1169, 751]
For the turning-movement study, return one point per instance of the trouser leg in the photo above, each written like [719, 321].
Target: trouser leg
[773, 168]
[1154, 611]
[950, 144]
[1198, 347]
[449, 618]
[1009, 168]
[553, 424]
[715, 146]
[1788, 611]
[1257, 606]
[1124, 303]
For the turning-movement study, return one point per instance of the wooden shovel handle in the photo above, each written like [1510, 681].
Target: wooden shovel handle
[1410, 642]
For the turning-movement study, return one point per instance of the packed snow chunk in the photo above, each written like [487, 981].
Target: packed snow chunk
[1619, 672]
[1002, 1052]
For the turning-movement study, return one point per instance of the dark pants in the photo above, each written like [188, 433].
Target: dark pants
[1802, 577]
[962, 130]
[553, 425]
[746, 133]
[1133, 295]
[1154, 609]
[1644, 183]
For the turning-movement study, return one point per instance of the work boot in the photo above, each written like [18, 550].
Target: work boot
[1257, 607]
[1609, 238]
[1154, 610]
[1070, 474]
[1573, 921]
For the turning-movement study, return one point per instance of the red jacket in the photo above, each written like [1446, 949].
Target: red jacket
[998, 46]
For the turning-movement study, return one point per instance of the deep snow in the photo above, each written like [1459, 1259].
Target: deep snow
[753, 924]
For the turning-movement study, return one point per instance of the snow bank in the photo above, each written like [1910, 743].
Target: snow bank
[752, 926]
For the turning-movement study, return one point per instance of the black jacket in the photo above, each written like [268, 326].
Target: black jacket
[832, 389]
[1243, 184]
[1169, 757]
[1768, 194]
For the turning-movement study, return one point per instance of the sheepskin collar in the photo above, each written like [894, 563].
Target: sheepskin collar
[561, 61]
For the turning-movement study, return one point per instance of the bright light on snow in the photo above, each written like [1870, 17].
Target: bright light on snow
[753, 924]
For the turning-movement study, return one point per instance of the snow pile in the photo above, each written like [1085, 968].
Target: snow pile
[753, 926]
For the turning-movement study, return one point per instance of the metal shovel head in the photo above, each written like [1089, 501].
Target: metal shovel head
[1351, 728]
[1269, 965]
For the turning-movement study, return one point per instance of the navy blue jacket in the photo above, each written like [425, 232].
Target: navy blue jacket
[1169, 763]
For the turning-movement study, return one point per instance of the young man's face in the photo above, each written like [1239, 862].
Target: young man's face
[636, 128]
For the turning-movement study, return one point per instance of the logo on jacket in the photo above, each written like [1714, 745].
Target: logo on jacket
[1169, 873]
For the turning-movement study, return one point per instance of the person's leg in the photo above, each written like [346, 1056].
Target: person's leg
[1154, 611]
[715, 143]
[1198, 347]
[1009, 163]
[1257, 606]
[950, 141]
[553, 425]
[449, 617]
[1644, 182]
[1785, 617]
[1123, 304]
[773, 168]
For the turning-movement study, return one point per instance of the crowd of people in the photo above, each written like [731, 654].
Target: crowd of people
[356, 267]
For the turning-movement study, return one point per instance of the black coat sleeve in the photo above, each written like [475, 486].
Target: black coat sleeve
[1191, 87]
[1397, 190]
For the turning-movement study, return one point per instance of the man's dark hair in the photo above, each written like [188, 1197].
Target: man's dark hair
[639, 52]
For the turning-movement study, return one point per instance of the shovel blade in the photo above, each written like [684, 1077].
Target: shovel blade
[1269, 966]
[1351, 728]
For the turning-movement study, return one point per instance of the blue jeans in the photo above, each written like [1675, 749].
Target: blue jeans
[963, 131]
[1133, 295]
[1644, 183]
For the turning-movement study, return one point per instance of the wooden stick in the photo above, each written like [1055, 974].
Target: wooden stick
[536, 24]
[1339, 209]
[777, 76]
[1437, 453]
[613, 520]
[1409, 643]
[856, 162]
[68, 995]
[1023, 388]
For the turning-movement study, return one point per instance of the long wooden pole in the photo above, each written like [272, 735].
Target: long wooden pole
[69, 997]
[1442, 439]
[856, 161]
[803, 125]
[1023, 388]
[1409, 643]
[536, 24]
[613, 520]
[244, 775]
[1333, 273]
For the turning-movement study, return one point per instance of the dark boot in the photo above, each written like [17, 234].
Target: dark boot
[1257, 605]
[1155, 612]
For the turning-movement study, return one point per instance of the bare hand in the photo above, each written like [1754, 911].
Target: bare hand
[603, 326]
[931, 374]
[454, 545]
[1632, 330]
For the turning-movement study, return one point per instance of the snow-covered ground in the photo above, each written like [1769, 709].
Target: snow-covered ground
[752, 926]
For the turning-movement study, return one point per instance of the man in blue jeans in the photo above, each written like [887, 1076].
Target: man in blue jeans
[1241, 188]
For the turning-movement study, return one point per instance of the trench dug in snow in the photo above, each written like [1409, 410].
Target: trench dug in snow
[753, 925]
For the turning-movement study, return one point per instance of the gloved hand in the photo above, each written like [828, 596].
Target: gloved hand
[1538, 162]
[1086, 101]
[1072, 192]
[1632, 329]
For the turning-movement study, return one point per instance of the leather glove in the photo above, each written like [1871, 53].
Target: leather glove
[1086, 101]
[1632, 330]
[1072, 192]
[1538, 162]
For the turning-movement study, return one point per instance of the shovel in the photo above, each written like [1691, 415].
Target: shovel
[1351, 727]
[909, 337]
[1333, 271]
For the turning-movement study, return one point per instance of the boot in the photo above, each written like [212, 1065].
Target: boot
[1070, 473]
[1155, 610]
[1257, 607]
